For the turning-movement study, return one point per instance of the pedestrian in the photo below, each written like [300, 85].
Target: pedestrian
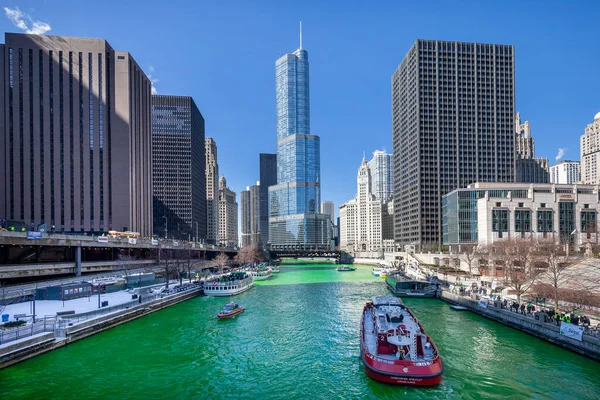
[523, 308]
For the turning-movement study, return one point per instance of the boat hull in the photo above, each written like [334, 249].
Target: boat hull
[231, 314]
[411, 293]
[230, 292]
[395, 374]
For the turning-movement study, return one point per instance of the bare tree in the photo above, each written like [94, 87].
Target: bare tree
[222, 261]
[470, 255]
[556, 263]
[125, 262]
[516, 256]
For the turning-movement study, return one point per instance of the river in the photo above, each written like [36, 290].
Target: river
[297, 339]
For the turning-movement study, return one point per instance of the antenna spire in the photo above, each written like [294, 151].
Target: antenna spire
[300, 35]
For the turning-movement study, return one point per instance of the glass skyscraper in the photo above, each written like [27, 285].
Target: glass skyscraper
[294, 218]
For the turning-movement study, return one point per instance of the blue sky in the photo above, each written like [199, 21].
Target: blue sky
[223, 54]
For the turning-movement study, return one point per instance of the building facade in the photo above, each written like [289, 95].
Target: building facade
[268, 177]
[178, 168]
[294, 218]
[590, 153]
[250, 215]
[228, 215]
[361, 217]
[565, 172]
[529, 169]
[328, 208]
[486, 212]
[212, 191]
[453, 107]
[75, 135]
[381, 175]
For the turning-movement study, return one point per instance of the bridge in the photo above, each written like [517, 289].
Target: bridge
[335, 254]
[24, 258]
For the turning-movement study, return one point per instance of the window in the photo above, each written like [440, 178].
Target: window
[500, 221]
[521, 204]
[522, 221]
[543, 205]
[498, 204]
[588, 222]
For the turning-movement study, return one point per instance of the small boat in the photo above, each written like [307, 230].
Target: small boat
[403, 285]
[345, 268]
[458, 308]
[394, 347]
[230, 310]
[275, 269]
[381, 272]
[229, 284]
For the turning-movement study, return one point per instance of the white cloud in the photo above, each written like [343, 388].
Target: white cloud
[152, 79]
[24, 22]
[561, 153]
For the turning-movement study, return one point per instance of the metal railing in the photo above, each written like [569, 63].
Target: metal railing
[69, 320]
[47, 324]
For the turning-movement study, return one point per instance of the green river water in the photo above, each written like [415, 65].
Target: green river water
[297, 339]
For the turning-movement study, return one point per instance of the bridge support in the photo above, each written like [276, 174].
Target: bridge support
[78, 261]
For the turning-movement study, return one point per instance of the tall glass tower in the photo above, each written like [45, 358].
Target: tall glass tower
[294, 218]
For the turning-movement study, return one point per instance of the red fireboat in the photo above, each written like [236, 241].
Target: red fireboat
[230, 310]
[394, 347]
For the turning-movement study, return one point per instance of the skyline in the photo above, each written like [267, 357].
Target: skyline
[342, 84]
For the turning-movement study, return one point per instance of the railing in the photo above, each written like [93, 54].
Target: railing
[69, 320]
[48, 324]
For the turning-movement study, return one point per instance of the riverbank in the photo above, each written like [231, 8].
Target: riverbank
[589, 346]
[65, 331]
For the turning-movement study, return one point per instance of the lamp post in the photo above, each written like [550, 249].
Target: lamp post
[165, 217]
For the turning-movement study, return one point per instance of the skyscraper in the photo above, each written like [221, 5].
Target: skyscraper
[381, 175]
[294, 218]
[268, 177]
[453, 107]
[250, 214]
[361, 217]
[179, 167]
[328, 208]
[228, 215]
[212, 191]
[529, 169]
[590, 153]
[75, 136]
[565, 172]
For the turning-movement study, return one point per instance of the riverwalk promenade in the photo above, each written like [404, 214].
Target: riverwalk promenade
[536, 324]
[52, 332]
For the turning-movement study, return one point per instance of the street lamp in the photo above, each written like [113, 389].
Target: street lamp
[165, 217]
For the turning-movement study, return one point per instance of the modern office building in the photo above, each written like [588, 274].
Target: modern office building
[453, 107]
[75, 135]
[381, 175]
[529, 169]
[245, 217]
[590, 153]
[250, 215]
[565, 172]
[228, 215]
[361, 217]
[212, 191]
[294, 218]
[483, 213]
[178, 168]
[268, 177]
[328, 208]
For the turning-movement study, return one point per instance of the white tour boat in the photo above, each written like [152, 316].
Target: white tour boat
[229, 284]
